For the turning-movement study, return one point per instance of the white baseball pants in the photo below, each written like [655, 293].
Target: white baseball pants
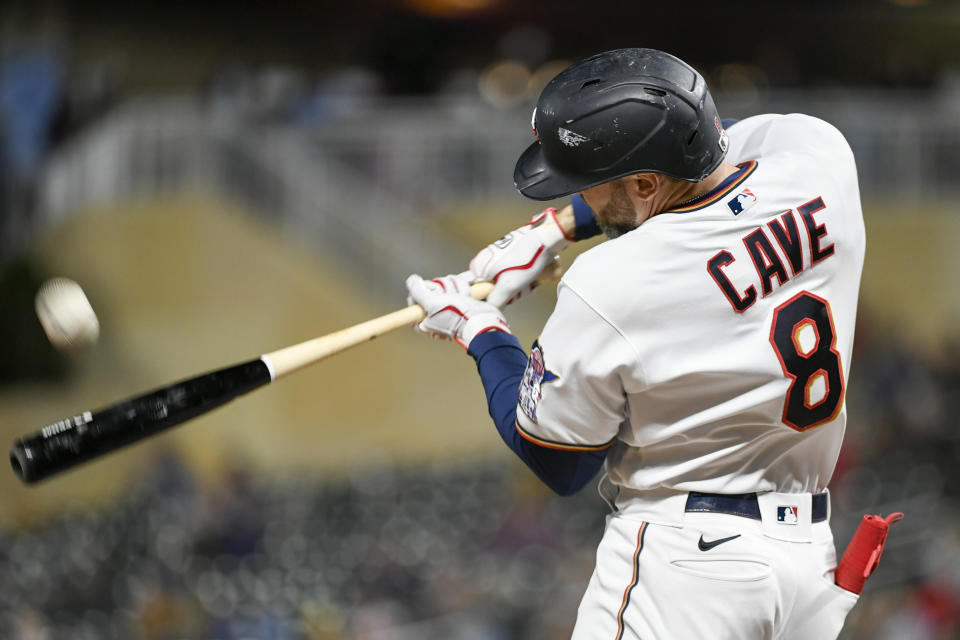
[653, 582]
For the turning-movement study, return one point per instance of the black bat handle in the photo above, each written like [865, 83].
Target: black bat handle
[67, 443]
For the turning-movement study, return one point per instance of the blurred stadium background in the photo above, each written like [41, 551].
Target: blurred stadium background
[229, 178]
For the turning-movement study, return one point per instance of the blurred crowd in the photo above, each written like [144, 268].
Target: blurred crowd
[473, 551]
[900, 454]
[456, 552]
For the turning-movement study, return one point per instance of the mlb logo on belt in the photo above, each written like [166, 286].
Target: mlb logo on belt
[788, 515]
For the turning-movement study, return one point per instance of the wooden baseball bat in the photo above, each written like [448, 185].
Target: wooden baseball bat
[67, 443]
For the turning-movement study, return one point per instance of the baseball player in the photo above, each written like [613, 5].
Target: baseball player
[700, 356]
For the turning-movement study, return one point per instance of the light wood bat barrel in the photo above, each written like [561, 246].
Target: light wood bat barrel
[292, 358]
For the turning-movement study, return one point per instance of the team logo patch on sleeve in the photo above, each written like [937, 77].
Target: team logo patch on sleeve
[535, 375]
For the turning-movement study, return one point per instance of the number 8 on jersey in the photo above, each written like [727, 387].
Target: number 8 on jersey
[804, 339]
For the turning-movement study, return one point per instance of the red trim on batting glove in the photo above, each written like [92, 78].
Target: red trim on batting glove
[538, 217]
[553, 214]
[449, 307]
[522, 267]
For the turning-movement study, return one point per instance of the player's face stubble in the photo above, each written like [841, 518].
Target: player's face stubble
[613, 209]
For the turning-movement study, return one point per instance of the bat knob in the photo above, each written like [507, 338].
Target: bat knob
[22, 462]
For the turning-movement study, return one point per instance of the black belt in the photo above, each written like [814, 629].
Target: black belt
[746, 504]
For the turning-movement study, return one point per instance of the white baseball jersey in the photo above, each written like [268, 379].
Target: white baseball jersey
[711, 346]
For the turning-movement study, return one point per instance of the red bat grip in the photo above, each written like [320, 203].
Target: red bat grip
[863, 553]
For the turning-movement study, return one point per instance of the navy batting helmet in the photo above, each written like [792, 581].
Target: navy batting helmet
[616, 113]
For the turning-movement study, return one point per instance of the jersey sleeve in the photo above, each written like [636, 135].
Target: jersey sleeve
[572, 393]
[500, 363]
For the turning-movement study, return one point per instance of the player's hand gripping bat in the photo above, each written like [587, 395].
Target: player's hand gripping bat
[67, 443]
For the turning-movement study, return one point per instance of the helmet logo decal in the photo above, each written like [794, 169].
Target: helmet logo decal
[570, 138]
[533, 124]
[724, 140]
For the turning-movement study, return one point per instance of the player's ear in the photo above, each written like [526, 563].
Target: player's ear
[644, 186]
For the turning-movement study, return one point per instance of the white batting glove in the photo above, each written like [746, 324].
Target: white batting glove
[515, 261]
[451, 313]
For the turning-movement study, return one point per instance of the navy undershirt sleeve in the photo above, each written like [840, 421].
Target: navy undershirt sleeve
[587, 226]
[501, 362]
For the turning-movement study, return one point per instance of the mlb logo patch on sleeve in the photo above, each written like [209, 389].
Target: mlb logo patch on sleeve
[742, 201]
[535, 375]
[788, 515]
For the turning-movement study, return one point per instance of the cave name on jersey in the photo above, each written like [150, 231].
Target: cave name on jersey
[759, 244]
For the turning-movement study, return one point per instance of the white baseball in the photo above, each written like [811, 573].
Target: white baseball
[66, 315]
